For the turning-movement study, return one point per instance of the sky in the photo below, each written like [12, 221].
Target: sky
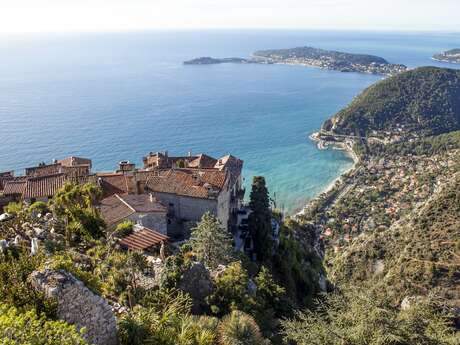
[21, 16]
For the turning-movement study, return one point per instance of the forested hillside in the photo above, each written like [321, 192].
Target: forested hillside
[424, 101]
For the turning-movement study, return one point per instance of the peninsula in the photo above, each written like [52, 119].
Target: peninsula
[314, 57]
[452, 56]
[206, 60]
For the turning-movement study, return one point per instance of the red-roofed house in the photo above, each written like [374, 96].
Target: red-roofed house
[143, 239]
[188, 194]
[141, 209]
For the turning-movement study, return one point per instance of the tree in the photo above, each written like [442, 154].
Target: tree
[259, 221]
[163, 318]
[231, 291]
[75, 204]
[211, 244]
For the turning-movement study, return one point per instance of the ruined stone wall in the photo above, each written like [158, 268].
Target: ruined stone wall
[78, 305]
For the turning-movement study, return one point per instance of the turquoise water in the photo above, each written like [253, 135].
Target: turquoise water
[113, 97]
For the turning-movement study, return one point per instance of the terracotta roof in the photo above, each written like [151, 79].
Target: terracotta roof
[163, 161]
[232, 164]
[43, 170]
[5, 176]
[202, 161]
[142, 203]
[198, 183]
[117, 207]
[143, 239]
[73, 161]
[14, 187]
[43, 186]
[114, 183]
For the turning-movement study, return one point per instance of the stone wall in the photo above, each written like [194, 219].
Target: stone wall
[78, 305]
[154, 220]
[185, 209]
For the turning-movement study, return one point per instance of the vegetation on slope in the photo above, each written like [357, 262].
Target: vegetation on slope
[415, 256]
[425, 100]
[356, 316]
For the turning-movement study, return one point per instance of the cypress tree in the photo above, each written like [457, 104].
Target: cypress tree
[260, 219]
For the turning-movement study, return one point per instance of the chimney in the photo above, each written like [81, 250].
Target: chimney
[190, 153]
[124, 166]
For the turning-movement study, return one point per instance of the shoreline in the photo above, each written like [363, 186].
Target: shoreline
[335, 146]
[445, 61]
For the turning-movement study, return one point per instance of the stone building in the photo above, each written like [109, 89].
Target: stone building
[142, 209]
[194, 184]
[188, 194]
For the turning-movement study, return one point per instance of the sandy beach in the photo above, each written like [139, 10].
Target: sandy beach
[337, 146]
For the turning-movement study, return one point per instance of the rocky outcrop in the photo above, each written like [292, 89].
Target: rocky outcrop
[78, 305]
[196, 281]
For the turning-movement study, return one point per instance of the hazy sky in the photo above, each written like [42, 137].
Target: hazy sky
[115, 15]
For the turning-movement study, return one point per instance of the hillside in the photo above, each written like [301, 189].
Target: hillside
[422, 101]
[315, 53]
[329, 59]
[417, 254]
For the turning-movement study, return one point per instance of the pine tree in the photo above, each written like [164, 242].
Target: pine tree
[260, 219]
[211, 243]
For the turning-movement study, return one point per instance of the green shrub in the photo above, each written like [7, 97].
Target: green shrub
[38, 207]
[239, 328]
[124, 229]
[18, 328]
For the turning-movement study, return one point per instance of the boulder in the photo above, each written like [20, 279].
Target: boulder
[197, 282]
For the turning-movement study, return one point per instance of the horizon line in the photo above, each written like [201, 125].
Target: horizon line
[167, 29]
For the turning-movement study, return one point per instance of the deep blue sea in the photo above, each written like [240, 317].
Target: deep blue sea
[117, 96]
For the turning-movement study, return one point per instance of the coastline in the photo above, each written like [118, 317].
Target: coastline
[445, 61]
[321, 145]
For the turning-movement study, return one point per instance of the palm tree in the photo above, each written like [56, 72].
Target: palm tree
[238, 328]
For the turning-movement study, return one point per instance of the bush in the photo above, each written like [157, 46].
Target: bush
[65, 262]
[38, 207]
[18, 328]
[238, 328]
[124, 229]
[357, 317]
[15, 288]
[14, 208]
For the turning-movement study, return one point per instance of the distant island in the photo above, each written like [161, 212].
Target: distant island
[314, 57]
[213, 61]
[452, 56]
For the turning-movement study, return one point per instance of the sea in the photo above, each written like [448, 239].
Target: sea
[119, 96]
